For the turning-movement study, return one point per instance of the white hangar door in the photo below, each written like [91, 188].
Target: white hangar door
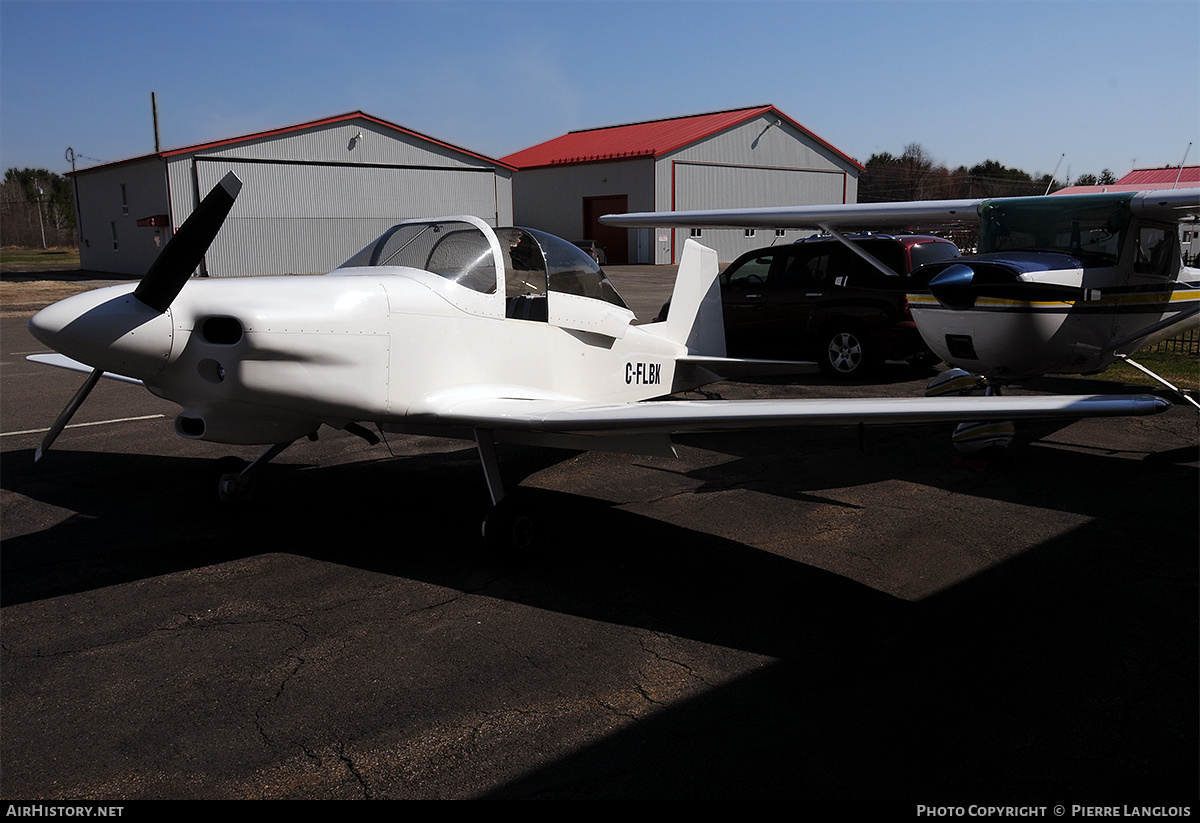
[299, 218]
[718, 186]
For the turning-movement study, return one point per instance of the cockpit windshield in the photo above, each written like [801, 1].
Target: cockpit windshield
[458, 251]
[1076, 225]
[534, 262]
[569, 269]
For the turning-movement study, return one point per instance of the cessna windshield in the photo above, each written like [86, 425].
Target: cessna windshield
[1070, 224]
[534, 262]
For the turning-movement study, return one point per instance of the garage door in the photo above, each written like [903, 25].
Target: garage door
[298, 218]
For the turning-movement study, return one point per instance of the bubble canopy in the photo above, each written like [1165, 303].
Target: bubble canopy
[467, 251]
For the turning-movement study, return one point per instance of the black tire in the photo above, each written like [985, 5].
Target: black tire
[510, 532]
[924, 362]
[847, 354]
[228, 468]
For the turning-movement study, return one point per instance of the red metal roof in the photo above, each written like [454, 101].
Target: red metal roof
[650, 139]
[1161, 177]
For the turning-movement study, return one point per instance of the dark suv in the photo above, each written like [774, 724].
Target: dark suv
[816, 299]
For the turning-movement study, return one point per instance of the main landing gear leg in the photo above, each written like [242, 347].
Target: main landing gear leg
[508, 529]
[973, 438]
[240, 485]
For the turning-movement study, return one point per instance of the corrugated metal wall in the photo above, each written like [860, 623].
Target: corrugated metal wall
[307, 219]
[101, 213]
[755, 164]
[702, 186]
[312, 198]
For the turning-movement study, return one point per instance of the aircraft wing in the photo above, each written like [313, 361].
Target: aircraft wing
[63, 362]
[1171, 204]
[849, 216]
[469, 409]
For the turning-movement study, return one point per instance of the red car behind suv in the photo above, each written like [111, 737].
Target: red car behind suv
[816, 299]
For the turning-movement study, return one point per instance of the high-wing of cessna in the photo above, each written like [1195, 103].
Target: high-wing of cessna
[1059, 285]
[448, 327]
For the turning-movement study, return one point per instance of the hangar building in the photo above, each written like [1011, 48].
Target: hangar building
[728, 159]
[313, 194]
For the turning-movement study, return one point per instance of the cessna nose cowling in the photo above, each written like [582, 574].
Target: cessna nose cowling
[953, 286]
[108, 329]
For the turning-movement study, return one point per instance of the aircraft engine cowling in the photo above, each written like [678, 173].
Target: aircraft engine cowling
[1027, 277]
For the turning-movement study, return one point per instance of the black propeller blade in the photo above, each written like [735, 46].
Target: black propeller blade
[65, 417]
[186, 249]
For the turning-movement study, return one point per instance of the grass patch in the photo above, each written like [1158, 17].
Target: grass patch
[1181, 369]
[21, 299]
[14, 259]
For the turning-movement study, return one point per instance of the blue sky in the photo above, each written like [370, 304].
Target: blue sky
[1110, 84]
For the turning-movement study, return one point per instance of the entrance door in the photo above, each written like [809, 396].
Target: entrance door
[614, 240]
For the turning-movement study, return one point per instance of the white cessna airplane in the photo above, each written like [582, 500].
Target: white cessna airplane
[448, 327]
[1059, 285]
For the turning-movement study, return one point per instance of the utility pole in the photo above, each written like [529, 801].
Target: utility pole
[70, 155]
[41, 224]
[154, 110]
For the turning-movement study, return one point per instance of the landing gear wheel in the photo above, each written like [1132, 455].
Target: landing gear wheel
[847, 354]
[510, 532]
[924, 362]
[229, 487]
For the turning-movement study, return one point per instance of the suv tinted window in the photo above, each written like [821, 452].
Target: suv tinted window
[750, 273]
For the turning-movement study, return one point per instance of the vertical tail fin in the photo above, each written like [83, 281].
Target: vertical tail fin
[695, 318]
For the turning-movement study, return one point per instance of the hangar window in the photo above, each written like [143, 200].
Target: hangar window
[750, 232]
[113, 226]
[124, 200]
[695, 233]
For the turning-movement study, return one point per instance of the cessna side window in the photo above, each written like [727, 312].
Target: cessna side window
[1156, 251]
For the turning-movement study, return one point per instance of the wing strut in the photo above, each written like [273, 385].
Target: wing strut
[845, 241]
[1180, 392]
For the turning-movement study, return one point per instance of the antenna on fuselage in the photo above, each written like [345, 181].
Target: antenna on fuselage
[1056, 165]
[1181, 162]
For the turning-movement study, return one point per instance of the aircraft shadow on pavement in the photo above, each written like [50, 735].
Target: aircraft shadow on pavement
[1065, 673]
[1068, 669]
[139, 515]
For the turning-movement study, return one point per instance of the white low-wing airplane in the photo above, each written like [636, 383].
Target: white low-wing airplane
[1060, 284]
[449, 327]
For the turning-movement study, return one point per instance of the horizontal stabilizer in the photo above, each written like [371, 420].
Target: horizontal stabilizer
[695, 370]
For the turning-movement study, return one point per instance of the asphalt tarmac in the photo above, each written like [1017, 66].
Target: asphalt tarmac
[859, 618]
